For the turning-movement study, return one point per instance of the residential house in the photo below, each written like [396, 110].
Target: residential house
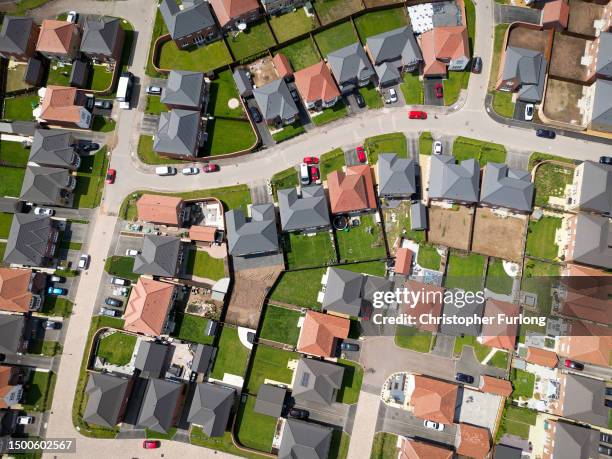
[231, 13]
[190, 25]
[524, 70]
[600, 117]
[418, 216]
[582, 399]
[32, 241]
[473, 441]
[66, 107]
[148, 307]
[202, 358]
[180, 134]
[304, 210]
[589, 240]
[591, 189]
[507, 452]
[275, 103]
[444, 48]
[317, 381]
[320, 334]
[599, 53]
[152, 359]
[541, 357]
[161, 406]
[270, 400]
[160, 256]
[469, 309]
[107, 397]
[499, 333]
[21, 290]
[351, 67]
[48, 186]
[254, 236]
[563, 439]
[351, 191]
[430, 298]
[317, 86]
[211, 407]
[496, 386]
[506, 188]
[431, 399]
[11, 390]
[103, 39]
[54, 148]
[18, 37]
[185, 90]
[59, 40]
[555, 14]
[79, 75]
[243, 82]
[585, 293]
[304, 439]
[12, 334]
[397, 177]
[416, 449]
[163, 210]
[449, 181]
[282, 66]
[586, 342]
[276, 7]
[403, 261]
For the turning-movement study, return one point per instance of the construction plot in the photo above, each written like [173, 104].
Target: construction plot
[450, 226]
[499, 234]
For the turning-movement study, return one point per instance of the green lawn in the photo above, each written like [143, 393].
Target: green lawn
[5, 224]
[201, 264]
[541, 238]
[90, 180]
[384, 446]
[464, 271]
[57, 307]
[159, 29]
[517, 421]
[14, 78]
[154, 105]
[148, 156]
[117, 349]
[413, 338]
[497, 279]
[20, 108]
[480, 350]
[331, 161]
[13, 154]
[412, 89]
[224, 443]
[39, 391]
[255, 39]
[378, 22]
[336, 37]
[363, 242]
[299, 288]
[288, 132]
[121, 267]
[201, 59]
[301, 54]
[339, 445]
[103, 124]
[2, 250]
[152, 434]
[59, 76]
[222, 89]
[339, 110]
[523, 383]
[232, 356]
[305, 251]
[470, 12]
[269, 363]
[537, 157]
[351, 382]
[375, 268]
[289, 25]
[502, 103]
[394, 142]
[283, 180]
[499, 360]
[333, 10]
[500, 32]
[191, 328]
[12, 179]
[371, 96]
[453, 85]
[219, 143]
[46, 348]
[466, 148]
[428, 257]
[550, 181]
[100, 79]
[280, 325]
[252, 429]
[425, 143]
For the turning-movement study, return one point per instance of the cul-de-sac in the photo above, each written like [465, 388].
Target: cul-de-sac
[306, 229]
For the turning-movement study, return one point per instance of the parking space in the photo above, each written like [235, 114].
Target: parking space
[262, 127]
[115, 292]
[351, 102]
[430, 92]
[519, 110]
[351, 158]
[401, 422]
[506, 14]
[304, 117]
[400, 102]
[352, 355]
[36, 330]
[125, 242]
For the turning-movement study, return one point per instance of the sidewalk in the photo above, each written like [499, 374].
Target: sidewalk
[364, 426]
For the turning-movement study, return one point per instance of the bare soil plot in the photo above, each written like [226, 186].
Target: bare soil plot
[333, 10]
[263, 71]
[561, 101]
[524, 37]
[583, 16]
[450, 227]
[567, 51]
[501, 237]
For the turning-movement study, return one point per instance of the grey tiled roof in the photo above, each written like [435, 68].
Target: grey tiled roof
[317, 381]
[604, 55]
[11, 332]
[584, 400]
[44, 185]
[270, 400]
[106, 395]
[396, 176]
[343, 292]
[455, 182]
[601, 117]
[529, 68]
[275, 101]
[474, 308]
[596, 187]
[151, 359]
[177, 132]
[304, 440]
[192, 18]
[349, 63]
[393, 45]
[100, 35]
[259, 235]
[574, 441]
[305, 211]
[387, 73]
[211, 407]
[505, 187]
[15, 34]
[183, 88]
[158, 257]
[593, 240]
[202, 358]
[159, 405]
[243, 82]
[52, 148]
[418, 216]
[28, 240]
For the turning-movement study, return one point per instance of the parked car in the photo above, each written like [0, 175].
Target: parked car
[123, 291]
[103, 103]
[574, 365]
[56, 291]
[437, 147]
[72, 16]
[462, 377]
[304, 174]
[417, 115]
[299, 413]
[255, 114]
[109, 312]
[51, 325]
[433, 425]
[311, 160]
[352, 347]
[439, 90]
[90, 146]
[608, 403]
[119, 281]
[391, 97]
[604, 450]
[43, 211]
[25, 420]
[361, 156]
[131, 252]
[528, 112]
[210, 167]
[190, 171]
[605, 160]
[111, 174]
[84, 261]
[151, 444]
[314, 173]
[154, 90]
[58, 279]
[294, 94]
[165, 170]
[113, 302]
[476, 65]
[604, 437]
[359, 99]
[546, 133]
[608, 390]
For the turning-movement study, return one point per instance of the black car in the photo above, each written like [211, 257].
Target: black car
[103, 103]
[608, 390]
[255, 114]
[606, 438]
[604, 450]
[608, 403]
[90, 146]
[605, 160]
[51, 325]
[476, 65]
[113, 302]
[462, 377]
[546, 133]
[294, 94]
[349, 347]
[360, 100]
[298, 413]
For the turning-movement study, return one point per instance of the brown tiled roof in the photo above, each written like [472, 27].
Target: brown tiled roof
[403, 260]
[556, 11]
[431, 303]
[495, 386]
[319, 332]
[5, 386]
[412, 449]
[434, 400]
[59, 105]
[159, 209]
[226, 10]
[587, 343]
[55, 36]
[282, 65]
[352, 190]
[316, 83]
[202, 233]
[474, 441]
[14, 293]
[498, 334]
[148, 307]
[588, 292]
[443, 43]
[542, 357]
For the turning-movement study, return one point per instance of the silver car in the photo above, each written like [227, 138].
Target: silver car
[190, 171]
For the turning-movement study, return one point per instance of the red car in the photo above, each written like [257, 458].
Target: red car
[314, 173]
[210, 167]
[361, 156]
[110, 176]
[439, 90]
[417, 115]
[311, 160]
[574, 365]
[151, 444]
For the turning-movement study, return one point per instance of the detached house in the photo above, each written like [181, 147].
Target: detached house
[11, 390]
[32, 241]
[591, 189]
[103, 39]
[444, 48]
[18, 37]
[600, 56]
[275, 103]
[230, 13]
[276, 7]
[180, 134]
[66, 107]
[160, 256]
[506, 188]
[21, 290]
[50, 186]
[190, 25]
[107, 397]
[164, 210]
[317, 381]
[304, 439]
[211, 407]
[54, 148]
[600, 116]
[589, 240]
[257, 235]
[305, 210]
[12, 334]
[317, 86]
[351, 191]
[148, 307]
[449, 181]
[161, 406]
[351, 67]
[59, 40]
[523, 70]
[396, 176]
[321, 333]
[184, 90]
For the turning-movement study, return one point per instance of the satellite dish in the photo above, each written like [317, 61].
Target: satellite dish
[242, 26]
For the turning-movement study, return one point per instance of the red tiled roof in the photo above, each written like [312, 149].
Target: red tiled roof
[412, 449]
[159, 209]
[5, 387]
[14, 293]
[352, 190]
[202, 233]
[316, 83]
[58, 104]
[319, 332]
[542, 357]
[498, 334]
[148, 307]
[587, 294]
[55, 36]
[226, 10]
[474, 441]
[495, 386]
[282, 65]
[403, 260]
[587, 342]
[433, 400]
[443, 43]
[431, 299]
[556, 11]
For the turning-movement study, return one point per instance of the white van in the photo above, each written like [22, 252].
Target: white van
[304, 176]
[165, 170]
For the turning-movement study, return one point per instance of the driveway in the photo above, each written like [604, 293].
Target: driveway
[262, 126]
[430, 92]
[402, 422]
[400, 96]
[336, 414]
[506, 14]
[349, 99]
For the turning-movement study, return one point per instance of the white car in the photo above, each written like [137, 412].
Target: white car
[119, 281]
[528, 112]
[25, 420]
[72, 16]
[434, 425]
[155, 90]
[392, 98]
[43, 211]
[131, 252]
[437, 147]
[109, 312]
[190, 171]
[84, 261]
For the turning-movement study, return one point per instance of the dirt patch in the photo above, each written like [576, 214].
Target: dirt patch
[263, 71]
[450, 227]
[525, 37]
[582, 16]
[565, 58]
[332, 10]
[501, 237]
[249, 290]
[561, 102]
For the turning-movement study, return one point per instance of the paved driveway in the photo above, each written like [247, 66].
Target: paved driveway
[402, 422]
[430, 92]
[262, 127]
[508, 14]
